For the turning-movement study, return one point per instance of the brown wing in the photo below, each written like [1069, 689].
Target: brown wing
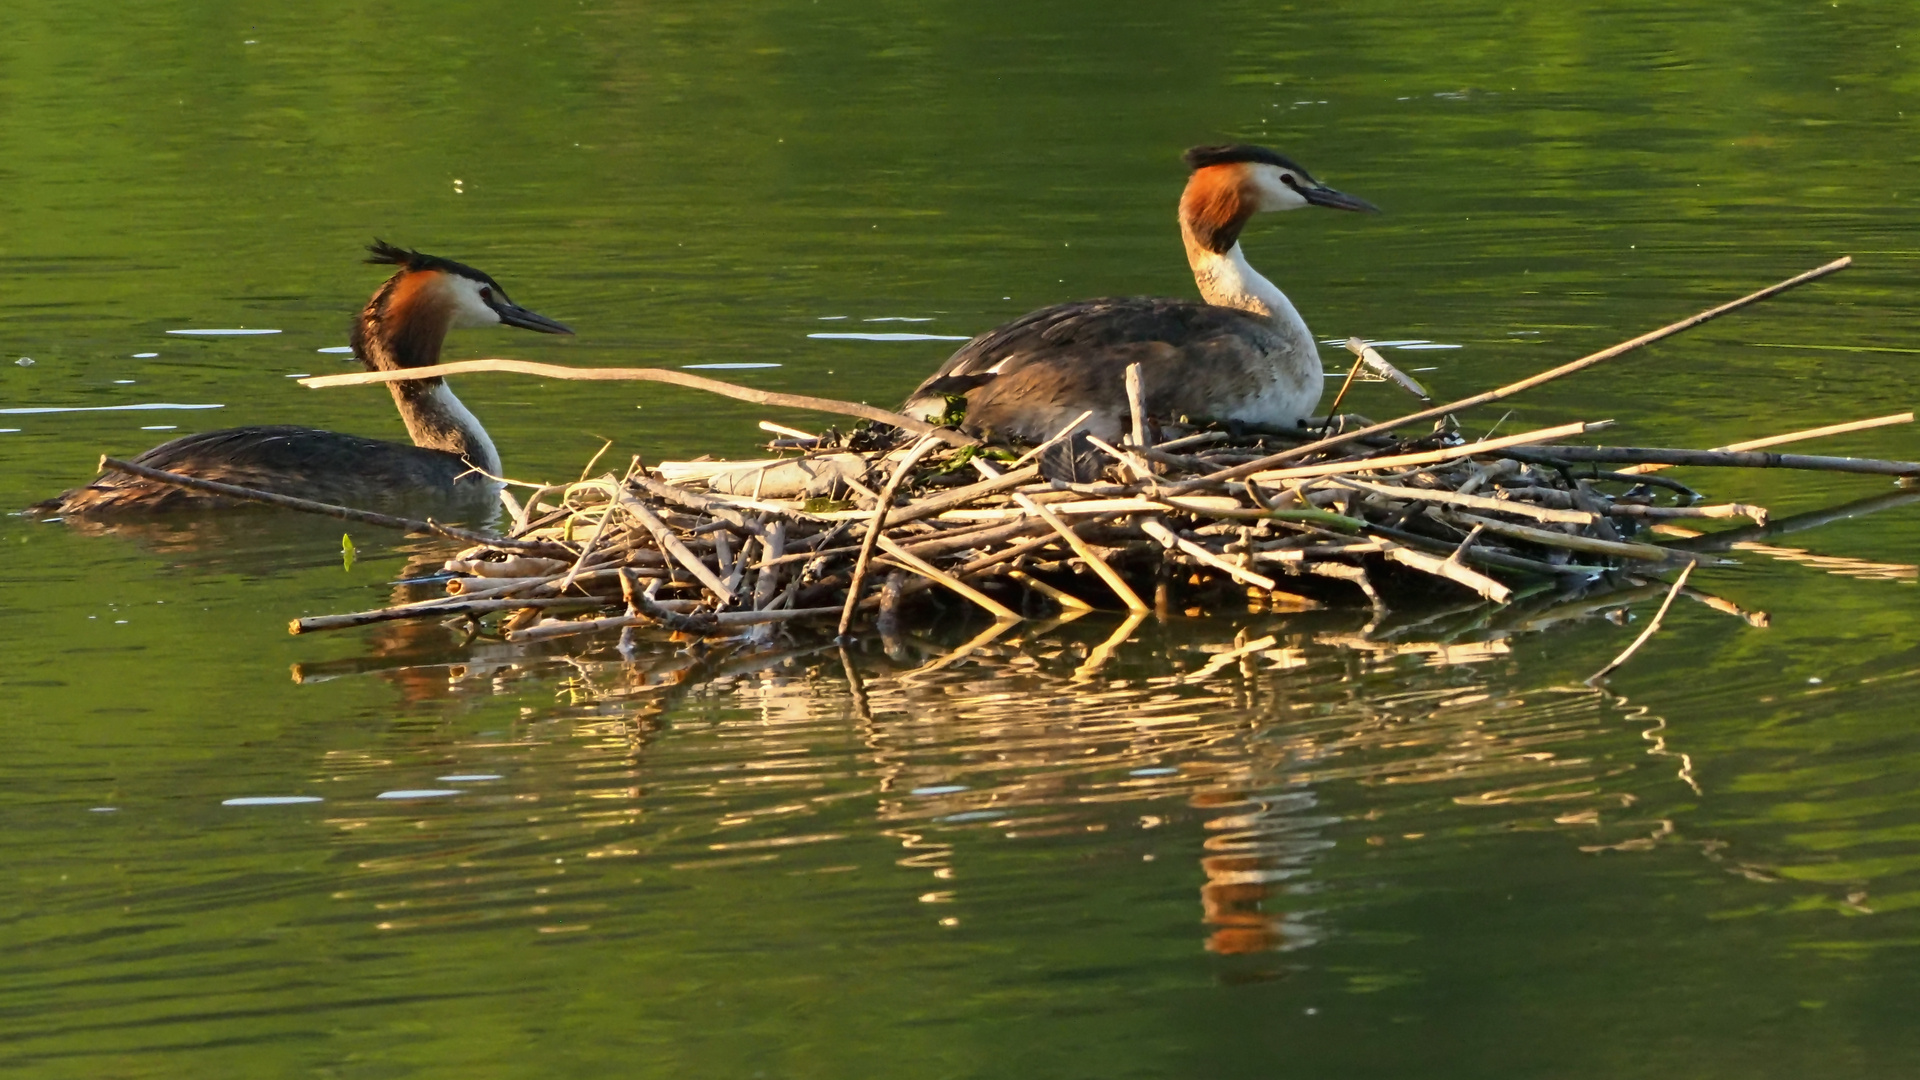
[1032, 376]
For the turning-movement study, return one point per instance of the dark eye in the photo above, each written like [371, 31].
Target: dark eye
[486, 294]
[1287, 179]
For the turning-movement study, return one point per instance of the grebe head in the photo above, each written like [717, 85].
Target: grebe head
[407, 320]
[1231, 183]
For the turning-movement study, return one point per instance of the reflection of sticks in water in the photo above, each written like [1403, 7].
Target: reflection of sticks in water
[1103, 652]
[1725, 541]
[855, 688]
[1838, 564]
[1749, 540]
[1652, 626]
[1231, 656]
[999, 627]
[1759, 620]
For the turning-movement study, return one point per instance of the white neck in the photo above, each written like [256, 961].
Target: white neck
[1230, 281]
[480, 449]
[438, 420]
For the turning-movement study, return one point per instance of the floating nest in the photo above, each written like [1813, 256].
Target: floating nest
[867, 527]
[899, 519]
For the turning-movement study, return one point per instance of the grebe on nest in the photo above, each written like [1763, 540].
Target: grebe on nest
[1244, 355]
[403, 326]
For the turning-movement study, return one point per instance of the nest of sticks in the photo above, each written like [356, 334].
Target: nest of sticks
[900, 516]
[1377, 517]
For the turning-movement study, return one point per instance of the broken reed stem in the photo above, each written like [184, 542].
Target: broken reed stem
[1238, 471]
[1359, 349]
[1056, 437]
[309, 506]
[1756, 514]
[671, 547]
[676, 378]
[593, 541]
[718, 620]
[933, 573]
[782, 429]
[1678, 584]
[1431, 457]
[459, 606]
[1717, 458]
[1172, 541]
[1795, 436]
[1453, 570]
[1137, 405]
[1504, 506]
[1618, 549]
[882, 504]
[940, 504]
[1371, 357]
[772, 549]
[1080, 547]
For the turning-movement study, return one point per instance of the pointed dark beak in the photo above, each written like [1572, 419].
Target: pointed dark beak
[514, 315]
[1323, 195]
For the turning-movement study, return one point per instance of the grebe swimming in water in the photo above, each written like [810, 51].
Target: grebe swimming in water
[1243, 355]
[403, 326]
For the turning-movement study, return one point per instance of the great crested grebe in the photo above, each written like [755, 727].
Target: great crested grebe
[1243, 355]
[403, 326]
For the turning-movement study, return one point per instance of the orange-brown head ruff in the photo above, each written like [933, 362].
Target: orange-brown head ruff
[1217, 204]
[1231, 183]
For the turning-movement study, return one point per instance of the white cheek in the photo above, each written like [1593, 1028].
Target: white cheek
[469, 310]
[1277, 194]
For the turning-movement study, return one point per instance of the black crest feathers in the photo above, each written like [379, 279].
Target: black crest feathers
[381, 253]
[1232, 153]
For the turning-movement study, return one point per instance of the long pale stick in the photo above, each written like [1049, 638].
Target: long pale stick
[1429, 457]
[1080, 547]
[1795, 436]
[882, 503]
[676, 378]
[672, 548]
[1171, 540]
[344, 513]
[1057, 436]
[1251, 467]
[1743, 459]
[933, 573]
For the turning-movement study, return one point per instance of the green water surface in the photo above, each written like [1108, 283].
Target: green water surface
[1414, 848]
